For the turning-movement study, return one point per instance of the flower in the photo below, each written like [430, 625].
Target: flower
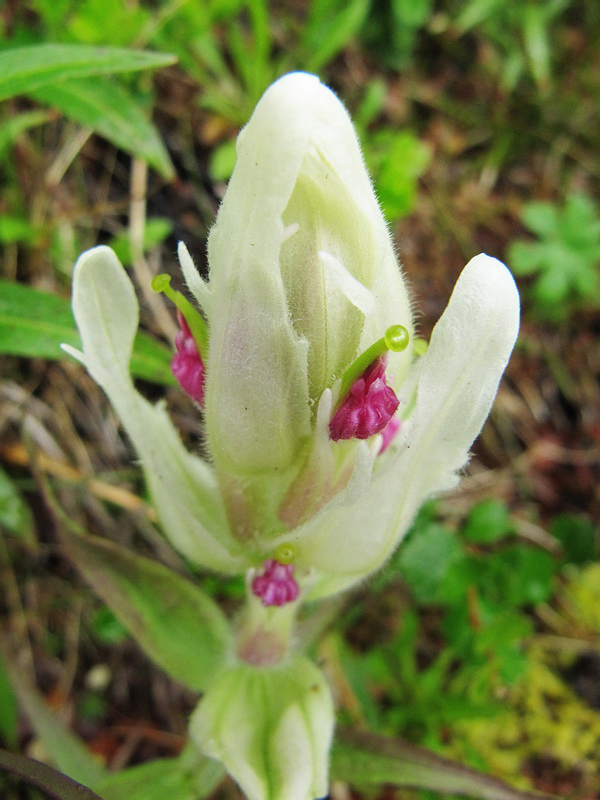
[326, 428]
[368, 407]
[186, 364]
[306, 448]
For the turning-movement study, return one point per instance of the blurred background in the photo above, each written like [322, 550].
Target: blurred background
[479, 123]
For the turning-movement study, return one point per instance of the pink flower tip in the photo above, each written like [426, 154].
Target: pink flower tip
[186, 364]
[368, 407]
[276, 584]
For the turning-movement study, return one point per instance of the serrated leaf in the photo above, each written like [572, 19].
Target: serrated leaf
[112, 112]
[34, 324]
[25, 69]
[365, 758]
[177, 624]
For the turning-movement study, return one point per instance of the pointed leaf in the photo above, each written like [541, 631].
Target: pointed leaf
[367, 758]
[35, 324]
[112, 112]
[24, 69]
[175, 622]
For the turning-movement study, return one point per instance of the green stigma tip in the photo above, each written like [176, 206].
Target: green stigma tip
[160, 283]
[396, 338]
[285, 554]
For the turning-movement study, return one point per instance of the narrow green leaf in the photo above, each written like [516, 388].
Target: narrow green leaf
[175, 622]
[66, 750]
[112, 112]
[35, 324]
[53, 783]
[365, 758]
[182, 778]
[24, 69]
[15, 514]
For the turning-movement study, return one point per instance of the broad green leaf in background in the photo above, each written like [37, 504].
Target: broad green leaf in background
[25, 69]
[364, 758]
[175, 622]
[34, 324]
[112, 112]
[15, 515]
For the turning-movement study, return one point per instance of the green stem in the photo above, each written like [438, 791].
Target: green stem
[196, 324]
[396, 338]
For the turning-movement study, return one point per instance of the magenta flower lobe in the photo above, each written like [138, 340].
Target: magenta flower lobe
[186, 364]
[368, 407]
[275, 585]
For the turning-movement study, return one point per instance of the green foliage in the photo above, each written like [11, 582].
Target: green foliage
[234, 51]
[107, 628]
[35, 324]
[9, 714]
[162, 610]
[521, 35]
[191, 776]
[112, 112]
[482, 580]
[26, 69]
[364, 758]
[487, 522]
[566, 258]
[392, 29]
[577, 536]
[15, 515]
[396, 159]
[156, 231]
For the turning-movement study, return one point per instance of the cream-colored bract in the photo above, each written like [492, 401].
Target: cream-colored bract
[271, 728]
[183, 486]
[459, 376]
[273, 359]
